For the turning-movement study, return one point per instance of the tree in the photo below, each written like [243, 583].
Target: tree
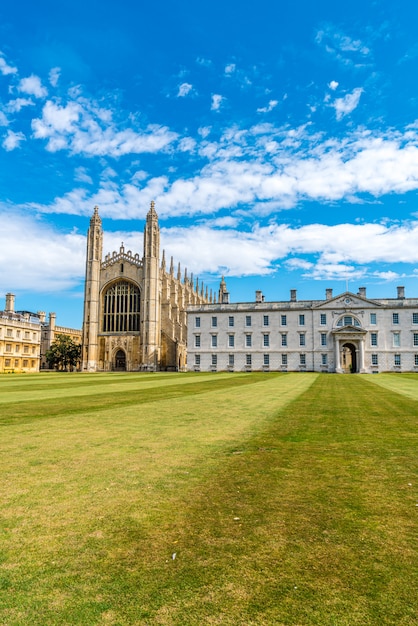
[64, 353]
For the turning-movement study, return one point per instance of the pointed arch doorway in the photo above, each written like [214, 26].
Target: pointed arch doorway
[120, 361]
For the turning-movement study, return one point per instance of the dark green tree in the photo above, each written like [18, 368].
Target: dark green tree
[64, 353]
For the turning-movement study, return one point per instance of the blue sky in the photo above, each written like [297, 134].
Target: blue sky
[279, 140]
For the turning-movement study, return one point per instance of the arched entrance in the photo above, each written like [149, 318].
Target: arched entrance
[120, 361]
[348, 358]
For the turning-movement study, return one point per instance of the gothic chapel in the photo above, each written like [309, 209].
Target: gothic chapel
[134, 309]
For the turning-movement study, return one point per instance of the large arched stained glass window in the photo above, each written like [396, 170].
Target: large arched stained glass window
[121, 304]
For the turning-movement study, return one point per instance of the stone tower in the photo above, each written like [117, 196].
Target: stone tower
[92, 292]
[150, 309]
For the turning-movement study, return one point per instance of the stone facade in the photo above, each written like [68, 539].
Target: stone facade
[345, 333]
[134, 308]
[20, 336]
[49, 331]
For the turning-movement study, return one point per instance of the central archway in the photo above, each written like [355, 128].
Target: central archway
[120, 361]
[349, 358]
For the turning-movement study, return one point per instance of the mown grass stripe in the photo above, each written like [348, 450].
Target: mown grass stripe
[29, 410]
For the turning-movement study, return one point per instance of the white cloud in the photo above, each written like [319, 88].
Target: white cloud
[5, 68]
[3, 119]
[32, 86]
[271, 105]
[13, 140]
[347, 50]
[54, 76]
[82, 127]
[42, 258]
[14, 106]
[184, 90]
[344, 106]
[217, 100]
[333, 85]
[230, 68]
[81, 175]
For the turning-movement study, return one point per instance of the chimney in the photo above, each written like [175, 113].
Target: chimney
[328, 294]
[42, 316]
[10, 303]
[362, 291]
[259, 296]
[401, 293]
[293, 295]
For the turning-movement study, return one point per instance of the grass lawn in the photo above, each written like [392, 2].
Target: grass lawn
[193, 499]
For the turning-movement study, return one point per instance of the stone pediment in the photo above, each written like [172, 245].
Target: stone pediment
[349, 330]
[348, 301]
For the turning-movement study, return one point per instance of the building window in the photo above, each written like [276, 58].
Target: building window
[231, 321]
[266, 360]
[265, 320]
[302, 359]
[396, 340]
[26, 349]
[214, 341]
[416, 360]
[9, 332]
[27, 334]
[266, 341]
[197, 359]
[396, 359]
[373, 339]
[415, 318]
[248, 341]
[197, 341]
[248, 359]
[214, 322]
[301, 320]
[17, 348]
[348, 320]
[248, 320]
[121, 307]
[324, 359]
[7, 362]
[284, 359]
[284, 339]
[415, 339]
[302, 339]
[214, 359]
[283, 320]
[8, 347]
[373, 320]
[231, 341]
[323, 319]
[323, 339]
[16, 363]
[395, 318]
[231, 360]
[197, 322]
[25, 362]
[375, 359]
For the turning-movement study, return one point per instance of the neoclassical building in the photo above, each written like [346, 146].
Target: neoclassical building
[20, 337]
[344, 333]
[134, 308]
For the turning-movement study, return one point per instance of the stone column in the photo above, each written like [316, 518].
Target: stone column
[337, 356]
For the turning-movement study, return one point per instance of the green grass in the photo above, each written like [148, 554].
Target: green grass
[252, 499]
